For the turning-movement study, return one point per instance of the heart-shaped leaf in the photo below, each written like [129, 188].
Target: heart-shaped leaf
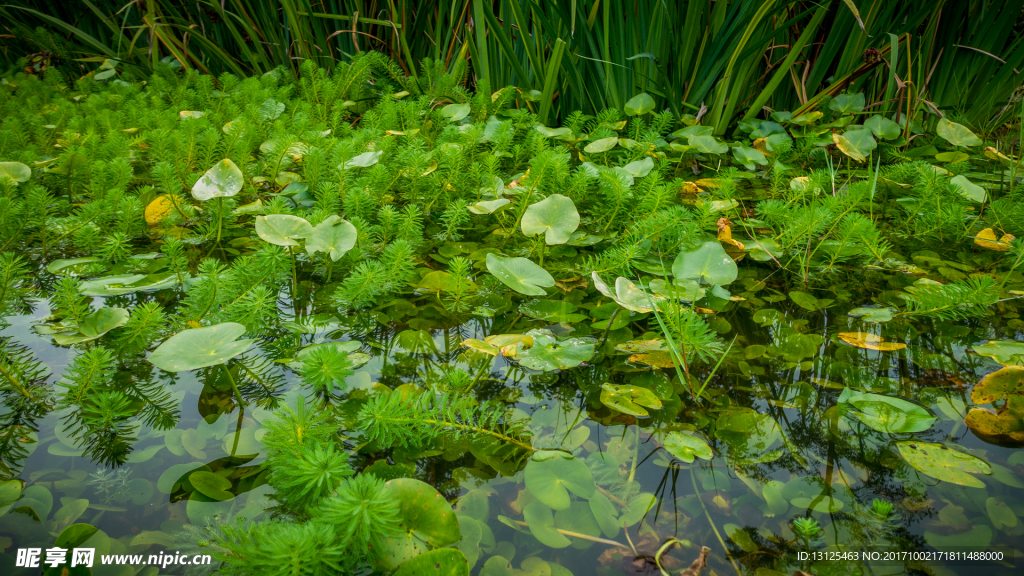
[882, 127]
[283, 229]
[455, 112]
[686, 446]
[749, 157]
[708, 144]
[968, 188]
[222, 181]
[555, 216]
[956, 134]
[942, 463]
[364, 160]
[520, 274]
[200, 347]
[15, 171]
[333, 236]
[639, 104]
[211, 485]
[426, 521]
[551, 476]
[440, 562]
[1006, 352]
[1002, 384]
[856, 144]
[890, 415]
[629, 399]
[549, 353]
[602, 145]
[709, 264]
[626, 294]
[848, 103]
[94, 325]
[542, 525]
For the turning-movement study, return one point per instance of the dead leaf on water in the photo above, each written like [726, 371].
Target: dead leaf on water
[987, 239]
[870, 341]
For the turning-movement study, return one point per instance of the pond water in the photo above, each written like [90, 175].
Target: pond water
[790, 442]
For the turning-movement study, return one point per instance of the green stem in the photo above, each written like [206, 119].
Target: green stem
[220, 216]
[581, 536]
[712, 522]
[238, 393]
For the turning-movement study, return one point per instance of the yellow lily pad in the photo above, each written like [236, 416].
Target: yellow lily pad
[870, 341]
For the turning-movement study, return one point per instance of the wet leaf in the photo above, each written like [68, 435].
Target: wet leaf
[549, 353]
[74, 535]
[579, 519]
[627, 399]
[224, 180]
[440, 562]
[426, 521]
[626, 294]
[200, 347]
[1006, 352]
[542, 525]
[94, 325]
[956, 134]
[878, 315]
[686, 446]
[555, 217]
[1000, 514]
[520, 274]
[978, 537]
[550, 480]
[211, 485]
[1002, 384]
[870, 341]
[890, 415]
[942, 463]
[709, 264]
[284, 229]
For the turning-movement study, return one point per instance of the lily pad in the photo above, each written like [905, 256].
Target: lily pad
[555, 216]
[211, 485]
[870, 341]
[1006, 352]
[128, 284]
[426, 520]
[857, 144]
[749, 157]
[956, 134]
[548, 353]
[890, 415]
[283, 229]
[520, 274]
[489, 206]
[882, 127]
[686, 446]
[1002, 384]
[200, 347]
[848, 103]
[968, 189]
[94, 325]
[878, 315]
[626, 294]
[333, 236]
[602, 145]
[224, 180]
[943, 463]
[364, 160]
[542, 525]
[709, 264]
[1000, 514]
[550, 476]
[638, 105]
[978, 537]
[15, 171]
[627, 399]
[440, 562]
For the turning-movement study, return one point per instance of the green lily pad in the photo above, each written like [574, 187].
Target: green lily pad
[686, 446]
[200, 347]
[807, 492]
[1006, 352]
[746, 430]
[128, 284]
[15, 171]
[548, 353]
[890, 415]
[552, 132]
[520, 274]
[640, 168]
[775, 503]
[364, 160]
[809, 301]
[709, 264]
[489, 206]
[1002, 384]
[74, 535]
[882, 127]
[942, 463]
[71, 267]
[551, 479]
[629, 399]
[605, 514]
[708, 144]
[71, 509]
[626, 294]
[878, 315]
[441, 562]
[749, 157]
[426, 521]
[224, 180]
[333, 236]
[456, 112]
[555, 216]
[211, 485]
[857, 144]
[602, 145]
[637, 507]
[968, 189]
[552, 311]
[978, 537]
[541, 522]
[496, 566]
[283, 229]
[94, 325]
[578, 518]
[1000, 514]
[956, 134]
[848, 103]
[640, 104]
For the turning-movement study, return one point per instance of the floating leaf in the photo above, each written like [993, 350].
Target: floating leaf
[870, 341]
[968, 188]
[555, 216]
[128, 283]
[333, 236]
[364, 160]
[440, 562]
[977, 538]
[1000, 514]
[224, 180]
[708, 144]
[987, 239]
[520, 274]
[552, 311]
[1003, 425]
[549, 353]
[211, 485]
[882, 127]
[455, 112]
[15, 171]
[1006, 352]
[686, 446]
[283, 229]
[200, 347]
[709, 264]
[890, 415]
[629, 399]
[856, 144]
[542, 525]
[808, 301]
[74, 535]
[872, 314]
[94, 325]
[489, 206]
[750, 158]
[550, 476]
[626, 294]
[639, 105]
[1002, 384]
[579, 519]
[602, 145]
[956, 134]
[425, 519]
[942, 463]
